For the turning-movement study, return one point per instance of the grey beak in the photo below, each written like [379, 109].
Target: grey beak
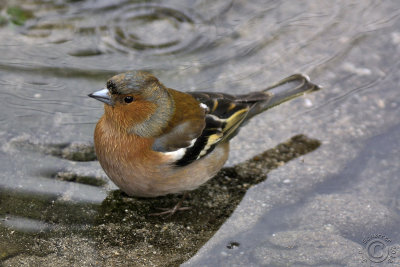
[102, 95]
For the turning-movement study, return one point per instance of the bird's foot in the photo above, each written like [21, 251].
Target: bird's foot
[171, 211]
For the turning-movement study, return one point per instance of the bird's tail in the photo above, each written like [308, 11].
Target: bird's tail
[282, 91]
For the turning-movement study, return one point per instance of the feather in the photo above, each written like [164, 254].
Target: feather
[225, 114]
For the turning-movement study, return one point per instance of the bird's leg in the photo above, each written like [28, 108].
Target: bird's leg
[171, 211]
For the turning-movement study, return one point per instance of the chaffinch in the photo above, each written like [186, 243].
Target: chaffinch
[153, 140]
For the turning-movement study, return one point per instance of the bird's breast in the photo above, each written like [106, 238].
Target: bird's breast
[136, 169]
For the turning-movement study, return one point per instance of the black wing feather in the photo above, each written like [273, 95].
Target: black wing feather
[223, 117]
[226, 113]
[213, 127]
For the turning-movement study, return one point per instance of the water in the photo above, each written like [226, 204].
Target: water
[54, 53]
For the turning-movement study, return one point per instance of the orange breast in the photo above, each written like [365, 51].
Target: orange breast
[139, 171]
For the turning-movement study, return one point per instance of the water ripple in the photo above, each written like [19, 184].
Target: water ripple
[149, 28]
[154, 29]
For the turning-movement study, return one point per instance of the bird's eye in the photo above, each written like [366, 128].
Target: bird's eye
[128, 99]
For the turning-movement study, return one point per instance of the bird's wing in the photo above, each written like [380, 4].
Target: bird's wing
[224, 115]
[194, 138]
[180, 136]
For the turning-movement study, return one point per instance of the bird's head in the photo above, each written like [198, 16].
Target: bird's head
[136, 102]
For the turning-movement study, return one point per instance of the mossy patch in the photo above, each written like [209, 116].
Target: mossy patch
[18, 15]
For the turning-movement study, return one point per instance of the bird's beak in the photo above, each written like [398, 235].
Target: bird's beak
[102, 95]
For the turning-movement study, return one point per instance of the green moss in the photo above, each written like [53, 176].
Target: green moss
[3, 21]
[18, 15]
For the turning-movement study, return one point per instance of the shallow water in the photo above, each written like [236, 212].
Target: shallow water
[54, 53]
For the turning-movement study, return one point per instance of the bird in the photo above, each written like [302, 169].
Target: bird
[153, 140]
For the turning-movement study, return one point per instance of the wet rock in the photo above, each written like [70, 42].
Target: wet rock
[349, 215]
[308, 248]
[121, 229]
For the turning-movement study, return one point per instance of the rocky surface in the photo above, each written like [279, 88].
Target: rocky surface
[122, 228]
[336, 206]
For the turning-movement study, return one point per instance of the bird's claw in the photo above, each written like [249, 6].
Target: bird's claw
[169, 211]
